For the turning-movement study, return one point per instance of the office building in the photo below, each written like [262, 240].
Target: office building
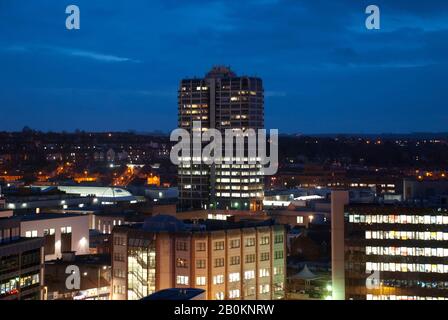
[240, 260]
[21, 263]
[389, 252]
[222, 100]
[61, 232]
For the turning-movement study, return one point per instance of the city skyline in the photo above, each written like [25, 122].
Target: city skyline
[320, 65]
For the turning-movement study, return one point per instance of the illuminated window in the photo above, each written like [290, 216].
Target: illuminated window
[264, 273]
[278, 271]
[234, 294]
[234, 277]
[31, 234]
[264, 288]
[250, 274]
[264, 240]
[218, 279]
[200, 281]
[219, 295]
[182, 280]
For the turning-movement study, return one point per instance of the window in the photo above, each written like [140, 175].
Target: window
[29, 280]
[49, 241]
[200, 264]
[234, 294]
[181, 246]
[300, 220]
[278, 254]
[250, 242]
[200, 246]
[234, 277]
[249, 274]
[250, 291]
[119, 257]
[219, 262]
[218, 279]
[264, 256]
[278, 238]
[264, 273]
[278, 271]
[181, 263]
[65, 230]
[119, 241]
[200, 281]
[49, 232]
[234, 260]
[219, 295]
[264, 288]
[234, 243]
[30, 234]
[250, 258]
[264, 240]
[119, 273]
[182, 280]
[219, 245]
[119, 289]
[278, 287]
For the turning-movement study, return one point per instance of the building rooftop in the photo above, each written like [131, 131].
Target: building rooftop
[405, 205]
[46, 216]
[220, 72]
[86, 259]
[166, 223]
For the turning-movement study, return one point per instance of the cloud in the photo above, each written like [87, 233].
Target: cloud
[316, 58]
[102, 57]
[95, 55]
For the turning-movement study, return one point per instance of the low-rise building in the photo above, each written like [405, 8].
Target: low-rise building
[229, 260]
[94, 275]
[61, 232]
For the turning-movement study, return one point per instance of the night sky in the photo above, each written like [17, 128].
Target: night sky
[323, 71]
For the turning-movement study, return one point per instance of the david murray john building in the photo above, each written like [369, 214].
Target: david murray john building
[222, 100]
[390, 252]
[241, 261]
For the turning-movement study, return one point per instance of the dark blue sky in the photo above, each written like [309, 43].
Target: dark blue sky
[323, 71]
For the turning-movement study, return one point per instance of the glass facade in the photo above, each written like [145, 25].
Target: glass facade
[141, 268]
